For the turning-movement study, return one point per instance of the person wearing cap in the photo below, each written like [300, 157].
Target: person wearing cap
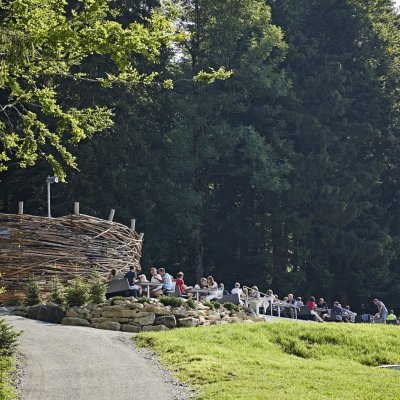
[382, 311]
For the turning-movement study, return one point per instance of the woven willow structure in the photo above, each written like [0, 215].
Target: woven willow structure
[65, 247]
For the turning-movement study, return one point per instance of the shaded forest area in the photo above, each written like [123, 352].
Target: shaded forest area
[284, 175]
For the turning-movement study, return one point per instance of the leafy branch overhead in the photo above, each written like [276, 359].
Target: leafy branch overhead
[45, 41]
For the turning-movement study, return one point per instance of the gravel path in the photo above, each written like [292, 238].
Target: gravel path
[70, 362]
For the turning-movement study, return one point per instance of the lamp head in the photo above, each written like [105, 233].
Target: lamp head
[52, 179]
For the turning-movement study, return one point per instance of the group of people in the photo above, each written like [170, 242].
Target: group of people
[164, 283]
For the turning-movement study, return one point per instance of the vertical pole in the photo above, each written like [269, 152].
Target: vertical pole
[48, 200]
[133, 224]
[76, 208]
[20, 207]
[141, 236]
[111, 216]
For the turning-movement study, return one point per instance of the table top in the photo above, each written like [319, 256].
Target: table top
[148, 283]
[199, 290]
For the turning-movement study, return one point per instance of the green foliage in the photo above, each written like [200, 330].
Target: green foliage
[8, 338]
[97, 288]
[45, 42]
[7, 371]
[13, 301]
[77, 294]
[216, 304]
[171, 301]
[32, 292]
[143, 300]
[341, 357]
[230, 306]
[191, 304]
[57, 291]
[209, 304]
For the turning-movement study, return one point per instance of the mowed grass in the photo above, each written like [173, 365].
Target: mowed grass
[283, 360]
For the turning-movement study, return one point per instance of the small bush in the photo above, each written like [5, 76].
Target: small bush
[57, 294]
[209, 304]
[117, 298]
[216, 304]
[32, 292]
[97, 288]
[191, 304]
[13, 301]
[77, 294]
[143, 300]
[171, 301]
[8, 338]
[231, 307]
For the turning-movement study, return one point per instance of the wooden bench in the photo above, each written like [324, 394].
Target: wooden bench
[118, 287]
[229, 298]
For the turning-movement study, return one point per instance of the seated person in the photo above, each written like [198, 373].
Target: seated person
[112, 276]
[350, 315]
[181, 284]
[391, 317]
[237, 290]
[135, 290]
[155, 291]
[322, 308]
[254, 292]
[312, 306]
[289, 312]
[337, 311]
[299, 302]
[221, 288]
[202, 284]
[166, 281]
[213, 286]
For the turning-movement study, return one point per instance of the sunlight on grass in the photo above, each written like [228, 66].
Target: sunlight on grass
[283, 360]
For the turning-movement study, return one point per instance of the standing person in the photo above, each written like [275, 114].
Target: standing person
[166, 281]
[382, 311]
[156, 291]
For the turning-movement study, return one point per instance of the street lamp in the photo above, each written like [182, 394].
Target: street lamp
[50, 180]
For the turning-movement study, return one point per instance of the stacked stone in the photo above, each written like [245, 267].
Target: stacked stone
[132, 316]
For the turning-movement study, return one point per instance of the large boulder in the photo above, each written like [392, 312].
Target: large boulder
[109, 325]
[189, 322]
[154, 328]
[46, 313]
[130, 328]
[168, 320]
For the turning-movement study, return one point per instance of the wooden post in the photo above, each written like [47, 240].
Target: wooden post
[133, 224]
[76, 208]
[111, 216]
[20, 207]
[141, 236]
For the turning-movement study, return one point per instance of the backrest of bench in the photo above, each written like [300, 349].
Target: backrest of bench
[229, 298]
[117, 285]
[304, 310]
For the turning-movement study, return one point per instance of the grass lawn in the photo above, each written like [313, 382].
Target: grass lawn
[7, 391]
[283, 360]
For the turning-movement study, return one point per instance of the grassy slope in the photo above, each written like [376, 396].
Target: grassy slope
[283, 360]
[7, 391]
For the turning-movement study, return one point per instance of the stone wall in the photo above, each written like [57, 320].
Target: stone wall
[130, 315]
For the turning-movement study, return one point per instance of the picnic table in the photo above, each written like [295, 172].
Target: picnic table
[198, 292]
[147, 286]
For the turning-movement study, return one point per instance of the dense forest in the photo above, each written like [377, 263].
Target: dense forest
[283, 173]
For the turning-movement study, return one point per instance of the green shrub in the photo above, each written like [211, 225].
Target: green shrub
[8, 338]
[143, 300]
[57, 294]
[13, 301]
[117, 298]
[231, 307]
[171, 301]
[191, 304]
[209, 304]
[216, 304]
[32, 292]
[97, 288]
[77, 294]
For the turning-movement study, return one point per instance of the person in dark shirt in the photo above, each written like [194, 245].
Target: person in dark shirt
[131, 277]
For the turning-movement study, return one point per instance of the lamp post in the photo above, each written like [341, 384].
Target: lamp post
[50, 180]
